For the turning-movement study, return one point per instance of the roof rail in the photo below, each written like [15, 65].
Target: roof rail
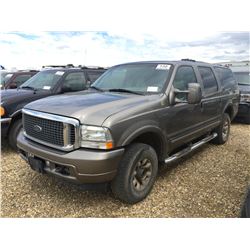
[59, 66]
[189, 60]
[90, 67]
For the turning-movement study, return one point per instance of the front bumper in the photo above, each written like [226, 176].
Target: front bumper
[244, 110]
[5, 124]
[79, 166]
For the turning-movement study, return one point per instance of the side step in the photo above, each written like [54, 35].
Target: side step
[190, 148]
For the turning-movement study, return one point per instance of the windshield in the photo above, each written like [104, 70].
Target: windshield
[242, 77]
[45, 80]
[142, 78]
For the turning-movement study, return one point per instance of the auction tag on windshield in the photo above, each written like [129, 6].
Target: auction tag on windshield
[163, 66]
[152, 89]
[59, 73]
[46, 87]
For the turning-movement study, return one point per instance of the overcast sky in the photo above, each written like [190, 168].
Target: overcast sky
[27, 49]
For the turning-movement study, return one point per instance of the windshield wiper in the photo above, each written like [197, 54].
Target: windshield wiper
[125, 91]
[94, 87]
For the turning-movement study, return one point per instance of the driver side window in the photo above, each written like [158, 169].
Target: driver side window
[74, 82]
[184, 76]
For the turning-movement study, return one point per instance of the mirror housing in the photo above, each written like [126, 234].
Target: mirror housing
[194, 93]
[12, 85]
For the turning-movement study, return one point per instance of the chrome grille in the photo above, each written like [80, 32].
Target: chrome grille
[54, 131]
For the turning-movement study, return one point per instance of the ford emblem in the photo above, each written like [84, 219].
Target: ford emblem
[37, 128]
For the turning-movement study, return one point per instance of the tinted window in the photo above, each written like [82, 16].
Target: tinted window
[74, 82]
[226, 77]
[21, 79]
[209, 81]
[184, 76]
[93, 75]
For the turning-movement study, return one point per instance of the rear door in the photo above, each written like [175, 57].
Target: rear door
[211, 98]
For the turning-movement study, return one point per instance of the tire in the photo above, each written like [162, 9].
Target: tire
[223, 130]
[136, 174]
[13, 133]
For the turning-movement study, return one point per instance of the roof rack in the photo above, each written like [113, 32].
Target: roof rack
[189, 60]
[90, 67]
[59, 66]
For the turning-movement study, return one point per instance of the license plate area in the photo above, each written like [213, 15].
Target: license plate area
[36, 164]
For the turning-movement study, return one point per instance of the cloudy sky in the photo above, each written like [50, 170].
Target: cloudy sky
[27, 49]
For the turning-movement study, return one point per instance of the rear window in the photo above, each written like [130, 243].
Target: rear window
[226, 77]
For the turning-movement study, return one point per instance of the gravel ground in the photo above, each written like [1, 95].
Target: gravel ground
[209, 183]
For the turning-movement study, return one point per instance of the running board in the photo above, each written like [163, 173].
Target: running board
[190, 148]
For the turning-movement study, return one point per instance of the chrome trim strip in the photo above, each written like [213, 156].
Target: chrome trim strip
[5, 120]
[66, 122]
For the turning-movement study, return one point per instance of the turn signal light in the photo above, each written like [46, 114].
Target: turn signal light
[2, 111]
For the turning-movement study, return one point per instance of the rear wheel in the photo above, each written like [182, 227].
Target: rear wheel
[223, 130]
[136, 173]
[15, 129]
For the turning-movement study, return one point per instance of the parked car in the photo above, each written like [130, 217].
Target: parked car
[242, 76]
[13, 80]
[47, 82]
[133, 117]
[241, 70]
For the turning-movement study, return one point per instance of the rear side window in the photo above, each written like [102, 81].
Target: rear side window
[226, 77]
[208, 79]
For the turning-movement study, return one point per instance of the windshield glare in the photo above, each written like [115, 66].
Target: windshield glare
[43, 80]
[146, 78]
[242, 77]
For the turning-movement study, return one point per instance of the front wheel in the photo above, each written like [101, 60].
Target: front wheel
[223, 130]
[136, 174]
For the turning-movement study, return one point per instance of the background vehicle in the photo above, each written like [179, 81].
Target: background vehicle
[241, 72]
[48, 82]
[134, 116]
[14, 80]
[3, 73]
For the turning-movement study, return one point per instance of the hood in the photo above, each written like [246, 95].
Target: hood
[14, 99]
[90, 108]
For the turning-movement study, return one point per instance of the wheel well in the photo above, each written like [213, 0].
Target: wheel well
[229, 111]
[14, 119]
[152, 139]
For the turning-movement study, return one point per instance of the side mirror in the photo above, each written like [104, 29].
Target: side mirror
[194, 93]
[65, 89]
[13, 85]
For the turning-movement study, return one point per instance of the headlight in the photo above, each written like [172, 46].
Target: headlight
[2, 111]
[245, 97]
[96, 137]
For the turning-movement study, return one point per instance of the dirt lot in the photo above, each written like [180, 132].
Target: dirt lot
[210, 183]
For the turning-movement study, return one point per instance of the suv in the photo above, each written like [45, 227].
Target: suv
[135, 116]
[14, 80]
[48, 82]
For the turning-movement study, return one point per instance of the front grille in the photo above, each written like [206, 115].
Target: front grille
[59, 132]
[52, 131]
